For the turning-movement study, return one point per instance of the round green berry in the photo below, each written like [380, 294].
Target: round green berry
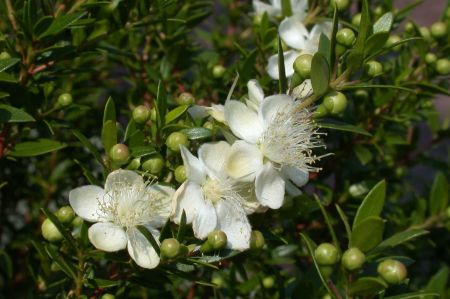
[77, 221]
[119, 153]
[361, 94]
[218, 239]
[208, 125]
[341, 4]
[326, 271]
[335, 102]
[439, 30]
[326, 296]
[302, 65]
[153, 165]
[218, 281]
[257, 240]
[340, 49]
[4, 55]
[426, 35]
[443, 66]
[185, 98]
[373, 68]
[218, 71]
[393, 39]
[50, 232]
[141, 114]
[206, 247]
[134, 164]
[345, 37]
[65, 214]
[378, 11]
[170, 248]
[392, 271]
[430, 58]
[176, 139]
[108, 296]
[353, 259]
[54, 267]
[180, 174]
[268, 282]
[356, 20]
[321, 111]
[409, 27]
[65, 99]
[326, 254]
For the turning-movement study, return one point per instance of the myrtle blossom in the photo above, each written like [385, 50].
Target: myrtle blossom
[125, 203]
[211, 199]
[274, 8]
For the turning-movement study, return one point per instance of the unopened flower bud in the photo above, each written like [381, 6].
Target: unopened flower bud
[326, 254]
[217, 239]
[356, 20]
[439, 30]
[180, 174]
[65, 99]
[392, 271]
[353, 259]
[50, 232]
[153, 165]
[335, 102]
[218, 71]
[141, 114]
[170, 248]
[4, 55]
[268, 282]
[443, 66]
[373, 68]
[345, 37]
[302, 65]
[257, 240]
[176, 139]
[119, 153]
[65, 214]
[185, 98]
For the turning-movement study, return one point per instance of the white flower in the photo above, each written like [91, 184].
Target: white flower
[212, 200]
[294, 33]
[274, 9]
[276, 146]
[124, 203]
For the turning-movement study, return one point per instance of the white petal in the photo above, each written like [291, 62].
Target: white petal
[213, 157]
[247, 198]
[160, 199]
[244, 161]
[291, 189]
[303, 91]
[107, 236]
[276, 3]
[123, 177]
[296, 175]
[205, 220]
[322, 27]
[299, 8]
[261, 7]
[140, 249]
[85, 202]
[293, 32]
[194, 168]
[217, 112]
[233, 221]
[269, 187]
[255, 94]
[289, 58]
[188, 197]
[243, 121]
[273, 105]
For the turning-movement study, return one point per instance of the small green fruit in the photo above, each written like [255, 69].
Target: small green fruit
[218, 71]
[180, 174]
[54, 267]
[326, 296]
[4, 55]
[345, 37]
[439, 30]
[393, 39]
[108, 296]
[176, 139]
[326, 254]
[356, 20]
[170, 248]
[302, 65]
[50, 232]
[119, 153]
[392, 271]
[141, 114]
[218, 239]
[361, 94]
[326, 271]
[296, 80]
[443, 66]
[268, 282]
[373, 68]
[353, 259]
[153, 165]
[65, 99]
[134, 164]
[185, 98]
[340, 49]
[206, 247]
[218, 281]
[257, 240]
[335, 102]
[409, 27]
[425, 33]
[65, 214]
[430, 58]
[77, 222]
[341, 4]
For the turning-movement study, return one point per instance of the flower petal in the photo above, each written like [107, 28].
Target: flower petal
[293, 32]
[85, 201]
[243, 161]
[140, 249]
[160, 203]
[243, 121]
[247, 198]
[205, 220]
[194, 168]
[217, 112]
[233, 221]
[291, 189]
[273, 105]
[121, 177]
[213, 157]
[269, 186]
[260, 8]
[188, 197]
[107, 236]
[298, 176]
[303, 90]
[289, 58]
[322, 27]
[299, 8]
[255, 94]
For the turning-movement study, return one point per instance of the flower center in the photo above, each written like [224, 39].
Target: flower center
[212, 190]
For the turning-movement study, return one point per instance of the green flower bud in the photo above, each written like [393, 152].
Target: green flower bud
[296, 80]
[218, 71]
[443, 66]
[54, 267]
[393, 39]
[64, 100]
[340, 49]
[335, 102]
[302, 65]
[141, 114]
[180, 174]
[326, 254]
[218, 239]
[170, 248]
[356, 20]
[425, 33]
[176, 139]
[341, 4]
[4, 55]
[108, 296]
[257, 20]
[373, 68]
[218, 281]
[65, 214]
[184, 250]
[353, 259]
[268, 282]
[77, 221]
[378, 11]
[257, 240]
[439, 30]
[119, 153]
[326, 296]
[345, 37]
[134, 164]
[430, 58]
[409, 27]
[321, 111]
[208, 125]
[206, 247]
[153, 165]
[185, 98]
[361, 94]
[447, 212]
[392, 271]
[326, 271]
[50, 232]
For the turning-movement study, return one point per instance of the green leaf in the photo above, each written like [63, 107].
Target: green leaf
[384, 23]
[344, 220]
[282, 83]
[366, 286]
[362, 86]
[406, 11]
[438, 282]
[109, 112]
[197, 133]
[375, 42]
[439, 194]
[341, 126]
[286, 8]
[7, 63]
[182, 227]
[87, 174]
[327, 220]
[367, 234]
[415, 295]
[62, 263]
[148, 235]
[3, 94]
[109, 135]
[36, 148]
[354, 60]
[402, 237]
[105, 283]
[6, 264]
[61, 23]
[364, 27]
[161, 105]
[333, 39]
[372, 205]
[175, 113]
[90, 147]
[320, 74]
[363, 153]
[5, 77]
[142, 151]
[10, 114]
[325, 47]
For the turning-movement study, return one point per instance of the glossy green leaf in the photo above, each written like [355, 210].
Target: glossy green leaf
[402, 237]
[10, 114]
[366, 286]
[36, 148]
[175, 113]
[5, 77]
[7, 63]
[109, 113]
[61, 23]
[62, 263]
[439, 194]
[161, 105]
[364, 27]
[325, 47]
[367, 234]
[341, 126]
[375, 42]
[372, 205]
[363, 153]
[320, 74]
[333, 39]
[88, 175]
[197, 133]
[90, 147]
[362, 86]
[282, 81]
[384, 23]
[109, 135]
[142, 151]
[438, 282]
[182, 227]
